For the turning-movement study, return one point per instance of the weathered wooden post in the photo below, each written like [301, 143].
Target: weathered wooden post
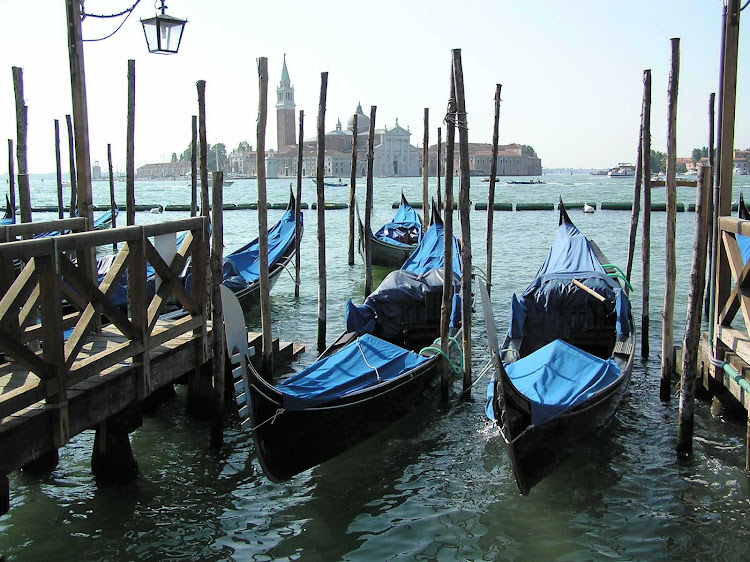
[446, 307]
[298, 208]
[194, 168]
[72, 167]
[352, 190]
[24, 194]
[646, 227]
[217, 310]
[425, 167]
[130, 147]
[667, 338]
[491, 192]
[438, 168]
[712, 203]
[636, 202]
[202, 147]
[58, 170]
[321, 204]
[693, 324]
[368, 202]
[112, 202]
[12, 179]
[265, 303]
[464, 208]
[80, 120]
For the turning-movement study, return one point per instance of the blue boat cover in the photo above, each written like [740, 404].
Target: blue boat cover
[556, 378]
[242, 266]
[404, 230]
[363, 363]
[743, 241]
[402, 296]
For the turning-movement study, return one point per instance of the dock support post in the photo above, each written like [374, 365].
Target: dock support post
[491, 191]
[217, 315]
[12, 179]
[112, 458]
[352, 190]
[130, 147]
[464, 206]
[667, 338]
[693, 324]
[321, 200]
[4, 494]
[43, 464]
[368, 202]
[194, 168]
[646, 226]
[24, 194]
[747, 445]
[425, 167]
[447, 304]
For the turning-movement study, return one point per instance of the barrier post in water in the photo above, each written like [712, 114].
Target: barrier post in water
[321, 201]
[24, 193]
[72, 167]
[464, 208]
[352, 190]
[646, 226]
[447, 304]
[112, 202]
[667, 338]
[368, 202]
[217, 311]
[265, 303]
[491, 191]
[425, 167]
[298, 208]
[194, 168]
[636, 201]
[58, 173]
[130, 147]
[693, 324]
[12, 179]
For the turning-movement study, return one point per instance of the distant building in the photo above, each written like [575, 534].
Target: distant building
[165, 170]
[243, 163]
[512, 160]
[96, 171]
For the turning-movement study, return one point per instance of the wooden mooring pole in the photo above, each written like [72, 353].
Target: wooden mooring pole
[632, 235]
[217, 310]
[321, 201]
[352, 190]
[265, 303]
[12, 179]
[437, 169]
[112, 201]
[24, 193]
[646, 226]
[491, 191]
[194, 168]
[130, 148]
[712, 200]
[464, 209]
[58, 174]
[667, 338]
[426, 167]
[72, 168]
[298, 208]
[693, 324]
[446, 308]
[368, 202]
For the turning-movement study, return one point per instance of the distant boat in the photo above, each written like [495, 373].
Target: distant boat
[392, 245]
[588, 208]
[741, 171]
[488, 179]
[622, 170]
[330, 183]
[527, 182]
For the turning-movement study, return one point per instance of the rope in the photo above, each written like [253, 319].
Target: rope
[111, 34]
[284, 265]
[456, 370]
[487, 368]
[272, 419]
[377, 374]
[125, 11]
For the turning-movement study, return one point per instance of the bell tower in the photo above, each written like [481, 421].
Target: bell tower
[286, 133]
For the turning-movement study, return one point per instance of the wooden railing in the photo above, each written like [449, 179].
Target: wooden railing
[45, 290]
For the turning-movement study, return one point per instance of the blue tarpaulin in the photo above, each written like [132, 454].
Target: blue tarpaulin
[556, 378]
[364, 363]
[404, 230]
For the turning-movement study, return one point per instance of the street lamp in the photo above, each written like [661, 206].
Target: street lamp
[163, 32]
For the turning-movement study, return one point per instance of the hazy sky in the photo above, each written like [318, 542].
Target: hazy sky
[571, 71]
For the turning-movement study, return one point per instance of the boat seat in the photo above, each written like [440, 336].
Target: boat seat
[238, 353]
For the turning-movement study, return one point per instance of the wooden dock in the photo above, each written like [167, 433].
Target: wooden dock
[65, 369]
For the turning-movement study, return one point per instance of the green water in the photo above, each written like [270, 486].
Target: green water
[437, 485]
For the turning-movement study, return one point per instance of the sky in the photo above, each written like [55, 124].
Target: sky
[571, 72]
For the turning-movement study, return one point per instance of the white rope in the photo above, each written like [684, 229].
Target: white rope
[272, 419]
[377, 374]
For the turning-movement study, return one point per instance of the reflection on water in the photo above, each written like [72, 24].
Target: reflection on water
[437, 484]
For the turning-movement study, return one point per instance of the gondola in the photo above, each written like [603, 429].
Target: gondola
[566, 361]
[331, 183]
[8, 216]
[395, 241]
[368, 378]
[241, 268]
[743, 241]
[105, 220]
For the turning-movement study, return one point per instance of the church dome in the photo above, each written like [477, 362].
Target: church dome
[363, 121]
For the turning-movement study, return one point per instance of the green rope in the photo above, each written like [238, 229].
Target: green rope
[616, 276]
[456, 370]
